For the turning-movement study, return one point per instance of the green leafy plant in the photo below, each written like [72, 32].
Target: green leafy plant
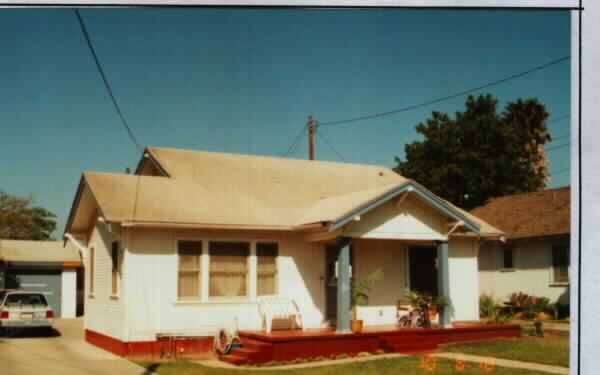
[488, 307]
[362, 288]
[423, 301]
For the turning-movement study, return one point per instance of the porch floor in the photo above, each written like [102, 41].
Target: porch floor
[288, 345]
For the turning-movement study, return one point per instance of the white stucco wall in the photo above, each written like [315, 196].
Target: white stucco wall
[103, 314]
[151, 284]
[532, 273]
[464, 280]
[68, 297]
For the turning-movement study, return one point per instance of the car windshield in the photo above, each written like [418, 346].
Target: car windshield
[25, 299]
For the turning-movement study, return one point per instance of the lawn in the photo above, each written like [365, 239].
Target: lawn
[415, 365]
[549, 350]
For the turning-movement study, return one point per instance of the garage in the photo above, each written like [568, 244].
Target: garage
[47, 282]
[49, 267]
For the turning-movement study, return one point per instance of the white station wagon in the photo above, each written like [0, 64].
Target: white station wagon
[23, 309]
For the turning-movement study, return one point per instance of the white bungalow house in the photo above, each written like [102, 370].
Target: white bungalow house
[192, 240]
[534, 259]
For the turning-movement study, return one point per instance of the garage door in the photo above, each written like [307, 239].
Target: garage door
[47, 282]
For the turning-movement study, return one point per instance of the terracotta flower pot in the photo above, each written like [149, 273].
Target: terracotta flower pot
[543, 316]
[356, 325]
[433, 312]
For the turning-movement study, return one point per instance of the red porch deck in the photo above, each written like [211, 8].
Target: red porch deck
[287, 345]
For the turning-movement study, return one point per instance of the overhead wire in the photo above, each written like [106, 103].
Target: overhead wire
[448, 97]
[106, 83]
[331, 146]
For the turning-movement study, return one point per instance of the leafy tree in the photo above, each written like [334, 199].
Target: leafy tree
[480, 154]
[20, 221]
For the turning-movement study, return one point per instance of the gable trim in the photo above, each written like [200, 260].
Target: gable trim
[147, 155]
[406, 187]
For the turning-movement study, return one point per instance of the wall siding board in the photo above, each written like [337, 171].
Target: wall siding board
[103, 314]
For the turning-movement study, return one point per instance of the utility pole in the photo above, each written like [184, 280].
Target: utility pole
[312, 130]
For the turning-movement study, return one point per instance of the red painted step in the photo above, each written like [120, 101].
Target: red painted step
[234, 359]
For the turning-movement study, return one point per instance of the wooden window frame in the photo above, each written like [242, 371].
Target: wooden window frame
[257, 244]
[249, 292]
[198, 297]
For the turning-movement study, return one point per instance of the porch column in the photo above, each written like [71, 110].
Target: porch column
[443, 282]
[343, 285]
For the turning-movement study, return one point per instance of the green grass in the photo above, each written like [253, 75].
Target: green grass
[385, 366]
[550, 350]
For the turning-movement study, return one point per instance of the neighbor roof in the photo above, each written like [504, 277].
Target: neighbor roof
[37, 251]
[230, 189]
[535, 214]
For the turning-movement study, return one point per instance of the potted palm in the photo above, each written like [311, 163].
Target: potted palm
[360, 296]
[426, 303]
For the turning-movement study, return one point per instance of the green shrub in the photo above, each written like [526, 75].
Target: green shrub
[363, 354]
[341, 356]
[487, 306]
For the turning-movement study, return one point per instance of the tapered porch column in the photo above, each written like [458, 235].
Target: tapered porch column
[444, 282]
[343, 285]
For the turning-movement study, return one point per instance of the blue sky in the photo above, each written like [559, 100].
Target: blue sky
[245, 80]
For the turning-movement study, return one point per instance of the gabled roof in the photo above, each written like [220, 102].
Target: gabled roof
[242, 190]
[37, 251]
[535, 214]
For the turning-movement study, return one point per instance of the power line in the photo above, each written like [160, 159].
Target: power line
[106, 84]
[415, 106]
[296, 139]
[331, 146]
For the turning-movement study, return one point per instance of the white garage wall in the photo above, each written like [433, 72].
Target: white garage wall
[68, 297]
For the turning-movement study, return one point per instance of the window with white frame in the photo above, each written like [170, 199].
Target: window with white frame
[189, 273]
[266, 271]
[228, 269]
[560, 263]
[115, 273]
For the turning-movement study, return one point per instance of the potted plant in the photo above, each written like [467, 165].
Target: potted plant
[426, 303]
[360, 296]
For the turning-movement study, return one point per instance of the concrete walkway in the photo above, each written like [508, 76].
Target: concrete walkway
[504, 363]
[215, 363]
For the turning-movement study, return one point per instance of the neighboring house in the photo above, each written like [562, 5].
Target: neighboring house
[49, 267]
[190, 242]
[535, 257]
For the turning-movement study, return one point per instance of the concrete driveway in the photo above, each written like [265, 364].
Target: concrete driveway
[64, 354]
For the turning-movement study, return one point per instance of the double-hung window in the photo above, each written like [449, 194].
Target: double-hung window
[508, 258]
[266, 272]
[189, 274]
[114, 254]
[228, 276]
[560, 263]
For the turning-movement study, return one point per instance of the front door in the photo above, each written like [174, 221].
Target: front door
[331, 254]
[423, 269]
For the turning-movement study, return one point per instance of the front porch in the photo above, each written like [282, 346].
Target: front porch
[288, 345]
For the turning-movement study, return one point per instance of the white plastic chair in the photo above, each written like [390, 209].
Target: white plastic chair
[272, 307]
